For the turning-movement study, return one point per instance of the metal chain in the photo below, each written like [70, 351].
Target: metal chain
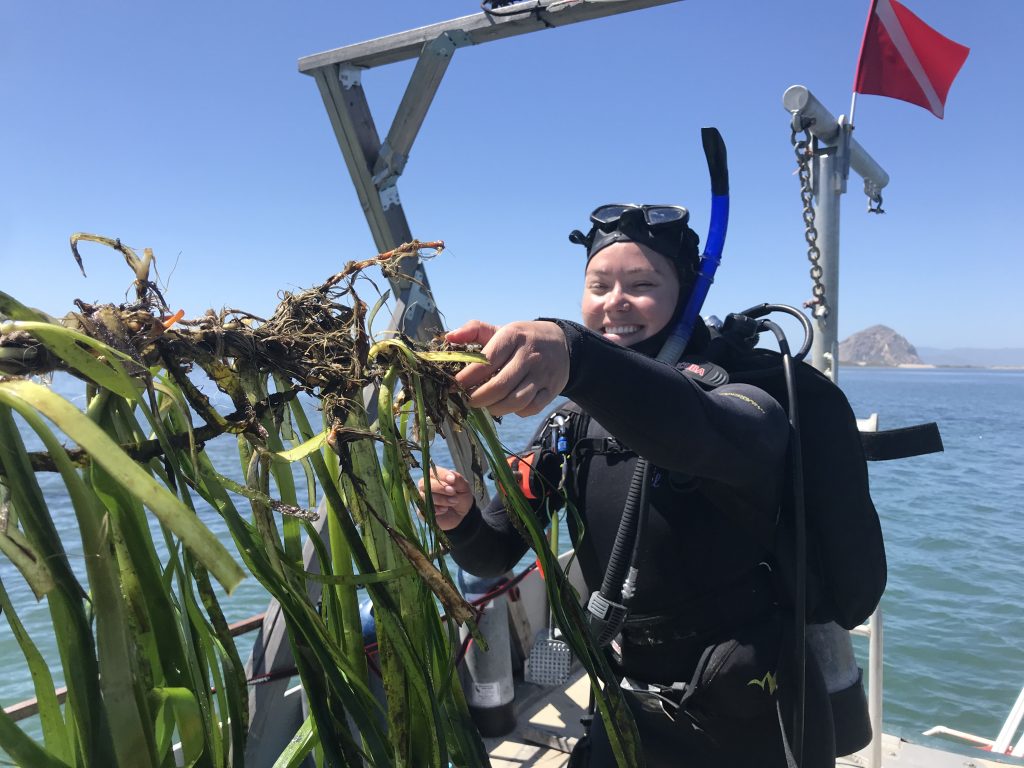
[804, 152]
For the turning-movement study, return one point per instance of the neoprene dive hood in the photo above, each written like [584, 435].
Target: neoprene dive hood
[662, 228]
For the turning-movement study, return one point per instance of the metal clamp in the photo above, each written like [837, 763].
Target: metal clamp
[444, 45]
[389, 193]
[349, 76]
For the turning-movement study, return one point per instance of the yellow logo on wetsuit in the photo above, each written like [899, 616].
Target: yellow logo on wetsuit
[766, 683]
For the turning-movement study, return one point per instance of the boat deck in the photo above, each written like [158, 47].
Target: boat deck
[548, 724]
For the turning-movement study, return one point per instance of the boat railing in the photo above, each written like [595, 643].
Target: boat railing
[872, 630]
[1001, 744]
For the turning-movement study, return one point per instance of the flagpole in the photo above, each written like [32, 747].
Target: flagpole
[853, 106]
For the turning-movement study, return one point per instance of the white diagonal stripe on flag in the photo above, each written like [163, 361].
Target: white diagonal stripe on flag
[892, 25]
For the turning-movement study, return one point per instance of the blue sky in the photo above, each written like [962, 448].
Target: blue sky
[187, 128]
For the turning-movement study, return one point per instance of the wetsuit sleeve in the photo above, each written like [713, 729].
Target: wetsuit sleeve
[486, 543]
[735, 434]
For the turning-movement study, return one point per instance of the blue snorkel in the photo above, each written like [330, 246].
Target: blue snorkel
[714, 150]
[609, 607]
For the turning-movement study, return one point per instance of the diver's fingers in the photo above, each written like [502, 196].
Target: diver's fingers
[528, 398]
[528, 379]
[449, 490]
[499, 349]
[454, 480]
[473, 332]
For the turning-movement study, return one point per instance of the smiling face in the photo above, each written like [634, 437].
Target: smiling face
[630, 293]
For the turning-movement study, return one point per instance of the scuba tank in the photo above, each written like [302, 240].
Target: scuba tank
[487, 674]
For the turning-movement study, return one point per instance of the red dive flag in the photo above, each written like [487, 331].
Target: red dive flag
[903, 58]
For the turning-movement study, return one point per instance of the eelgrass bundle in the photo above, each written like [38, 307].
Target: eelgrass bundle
[143, 645]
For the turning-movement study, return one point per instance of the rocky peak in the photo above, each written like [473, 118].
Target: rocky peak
[878, 345]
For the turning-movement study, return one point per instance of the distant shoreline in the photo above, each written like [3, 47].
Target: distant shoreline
[933, 366]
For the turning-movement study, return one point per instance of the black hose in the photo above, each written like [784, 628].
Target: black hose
[492, 10]
[761, 310]
[799, 534]
[622, 549]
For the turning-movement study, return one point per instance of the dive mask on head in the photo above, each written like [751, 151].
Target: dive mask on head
[608, 216]
[662, 228]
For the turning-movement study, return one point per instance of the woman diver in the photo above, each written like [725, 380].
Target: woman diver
[703, 653]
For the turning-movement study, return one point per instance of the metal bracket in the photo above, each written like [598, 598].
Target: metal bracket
[391, 164]
[800, 122]
[803, 106]
[393, 153]
[418, 301]
[445, 44]
[349, 76]
[389, 193]
[843, 145]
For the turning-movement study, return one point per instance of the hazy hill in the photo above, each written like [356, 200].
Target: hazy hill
[878, 345]
[881, 345]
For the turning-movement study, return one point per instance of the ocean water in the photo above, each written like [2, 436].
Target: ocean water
[953, 523]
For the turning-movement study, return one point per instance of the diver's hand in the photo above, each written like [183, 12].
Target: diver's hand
[452, 497]
[529, 366]
[473, 332]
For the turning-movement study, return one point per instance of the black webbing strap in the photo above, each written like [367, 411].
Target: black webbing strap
[901, 443]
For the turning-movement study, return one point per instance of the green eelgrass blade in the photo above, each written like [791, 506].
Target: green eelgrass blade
[258, 496]
[377, 307]
[353, 579]
[217, 645]
[115, 644]
[621, 728]
[107, 454]
[300, 746]
[54, 729]
[341, 606]
[185, 709]
[164, 636]
[64, 343]
[452, 356]
[172, 635]
[463, 733]
[402, 663]
[201, 660]
[87, 720]
[10, 307]
[23, 749]
[302, 451]
[448, 356]
[284, 480]
[28, 561]
[328, 673]
[438, 646]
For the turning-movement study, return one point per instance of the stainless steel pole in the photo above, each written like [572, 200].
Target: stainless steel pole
[829, 182]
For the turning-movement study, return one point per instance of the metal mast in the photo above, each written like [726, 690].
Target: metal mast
[830, 169]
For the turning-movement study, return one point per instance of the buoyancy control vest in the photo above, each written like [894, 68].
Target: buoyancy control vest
[846, 563]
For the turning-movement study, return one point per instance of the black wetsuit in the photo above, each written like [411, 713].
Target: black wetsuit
[705, 579]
